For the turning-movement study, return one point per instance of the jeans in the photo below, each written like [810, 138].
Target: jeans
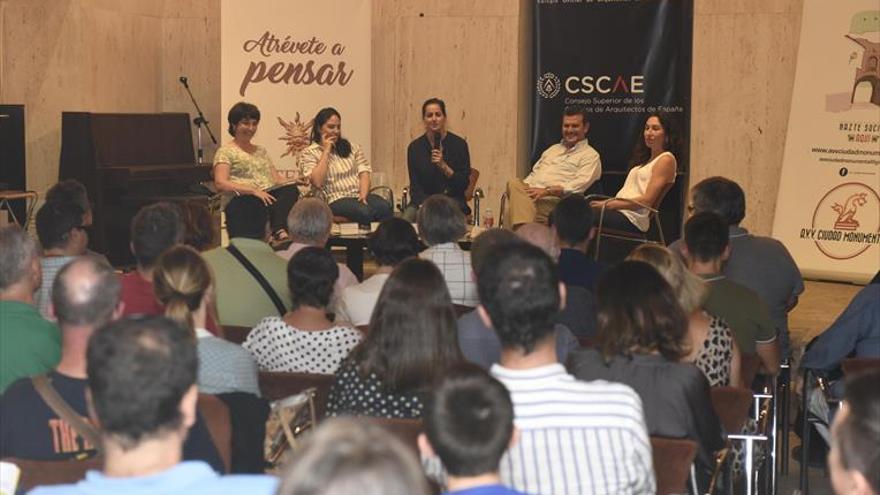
[376, 209]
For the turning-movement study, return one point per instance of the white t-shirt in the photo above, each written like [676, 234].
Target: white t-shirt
[357, 301]
[635, 185]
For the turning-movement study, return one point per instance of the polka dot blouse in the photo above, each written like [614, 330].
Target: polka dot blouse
[277, 346]
[356, 396]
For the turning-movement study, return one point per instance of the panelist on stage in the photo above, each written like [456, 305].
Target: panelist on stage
[340, 172]
[652, 171]
[241, 167]
[568, 167]
[438, 161]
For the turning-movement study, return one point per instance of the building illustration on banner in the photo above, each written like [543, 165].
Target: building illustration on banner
[864, 31]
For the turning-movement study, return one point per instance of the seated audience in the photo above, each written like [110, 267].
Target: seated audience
[63, 238]
[410, 342]
[441, 224]
[710, 343]
[154, 229]
[142, 391]
[642, 332]
[761, 264]
[72, 191]
[854, 460]
[308, 224]
[349, 457]
[469, 426]
[572, 220]
[394, 241]
[304, 340]
[478, 343]
[706, 249]
[243, 297]
[200, 231]
[183, 284]
[542, 236]
[85, 297]
[28, 344]
[576, 437]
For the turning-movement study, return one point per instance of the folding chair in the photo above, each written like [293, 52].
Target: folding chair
[640, 238]
[30, 199]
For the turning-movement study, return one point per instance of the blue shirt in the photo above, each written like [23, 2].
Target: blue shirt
[186, 478]
[856, 329]
[576, 268]
[486, 490]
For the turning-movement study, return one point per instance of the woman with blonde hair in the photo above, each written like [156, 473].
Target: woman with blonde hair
[183, 283]
[710, 343]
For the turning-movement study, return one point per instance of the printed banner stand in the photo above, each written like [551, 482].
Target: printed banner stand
[828, 207]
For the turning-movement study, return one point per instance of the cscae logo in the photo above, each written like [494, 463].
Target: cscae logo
[549, 85]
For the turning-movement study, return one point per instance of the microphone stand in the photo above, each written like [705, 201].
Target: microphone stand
[198, 122]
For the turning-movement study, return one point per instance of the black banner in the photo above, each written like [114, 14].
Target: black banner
[621, 60]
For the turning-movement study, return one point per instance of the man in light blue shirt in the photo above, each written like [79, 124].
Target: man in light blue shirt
[142, 375]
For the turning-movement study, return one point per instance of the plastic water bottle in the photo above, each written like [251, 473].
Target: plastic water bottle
[488, 219]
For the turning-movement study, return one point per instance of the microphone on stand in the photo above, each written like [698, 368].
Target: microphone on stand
[183, 80]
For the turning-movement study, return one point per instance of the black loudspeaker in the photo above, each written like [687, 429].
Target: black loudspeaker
[12, 164]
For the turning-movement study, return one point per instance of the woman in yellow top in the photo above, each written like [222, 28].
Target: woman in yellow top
[242, 167]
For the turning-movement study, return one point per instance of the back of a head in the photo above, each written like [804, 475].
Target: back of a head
[311, 274]
[638, 313]
[69, 191]
[689, 289]
[85, 292]
[519, 288]
[247, 217]
[200, 233]
[706, 236]
[154, 229]
[138, 372]
[573, 219]
[17, 251]
[469, 421]
[413, 330]
[346, 456]
[722, 196]
[310, 221]
[181, 278]
[857, 434]
[487, 242]
[394, 241]
[541, 236]
[440, 220]
[55, 220]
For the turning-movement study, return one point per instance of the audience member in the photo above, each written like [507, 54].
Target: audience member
[142, 391]
[706, 249]
[183, 284]
[479, 344]
[63, 238]
[308, 224]
[85, 296]
[410, 342]
[572, 220]
[854, 460]
[72, 191]
[154, 229]
[542, 236]
[710, 343]
[642, 332]
[394, 241]
[28, 344]
[304, 340]
[349, 457]
[441, 224]
[576, 437]
[200, 231]
[250, 279]
[469, 426]
[761, 264]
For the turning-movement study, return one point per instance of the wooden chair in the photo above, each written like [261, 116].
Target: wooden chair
[750, 363]
[855, 366]
[43, 473]
[640, 238]
[672, 463]
[236, 334]
[216, 416]
[275, 385]
[732, 406]
[406, 430]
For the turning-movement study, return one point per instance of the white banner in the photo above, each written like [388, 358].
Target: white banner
[828, 208]
[293, 58]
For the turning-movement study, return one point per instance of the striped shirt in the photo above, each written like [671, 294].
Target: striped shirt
[341, 180]
[575, 437]
[51, 266]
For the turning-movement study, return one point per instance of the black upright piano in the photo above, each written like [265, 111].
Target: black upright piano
[126, 161]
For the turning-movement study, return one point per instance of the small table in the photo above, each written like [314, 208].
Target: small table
[356, 244]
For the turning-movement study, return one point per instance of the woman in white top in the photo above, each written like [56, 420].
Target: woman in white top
[394, 241]
[304, 340]
[652, 172]
[339, 170]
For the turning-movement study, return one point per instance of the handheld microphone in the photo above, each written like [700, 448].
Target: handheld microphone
[436, 141]
[183, 80]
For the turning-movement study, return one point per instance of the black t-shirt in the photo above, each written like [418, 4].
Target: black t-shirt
[29, 429]
[426, 179]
